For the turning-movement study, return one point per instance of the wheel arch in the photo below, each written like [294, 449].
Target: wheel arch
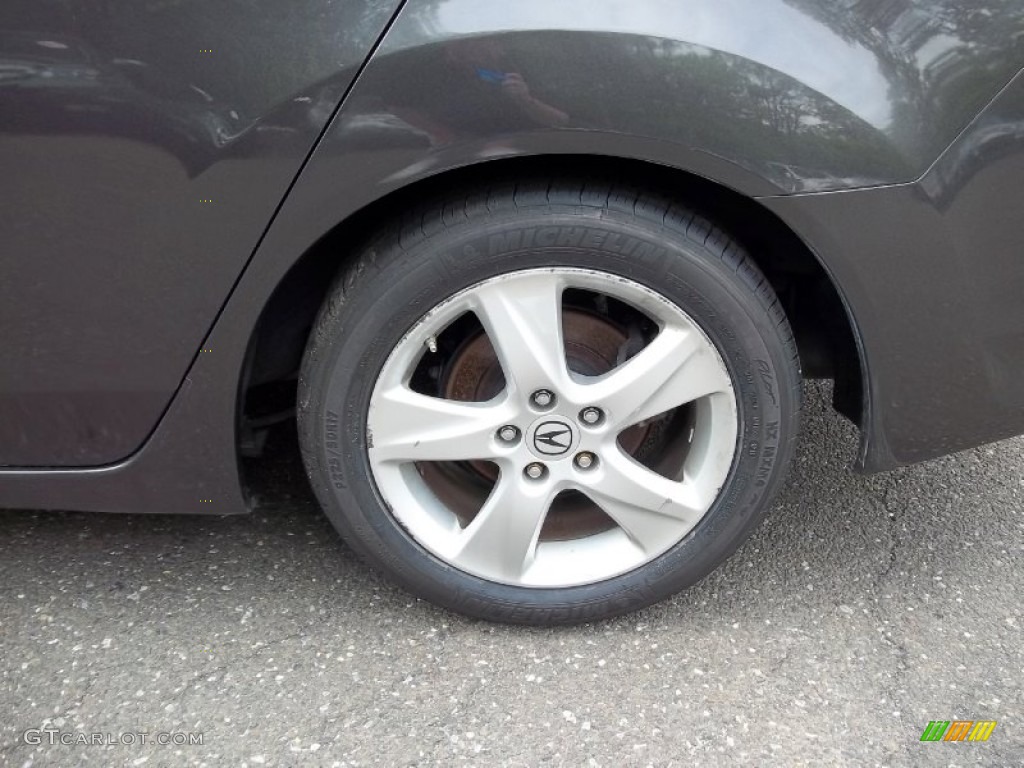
[825, 328]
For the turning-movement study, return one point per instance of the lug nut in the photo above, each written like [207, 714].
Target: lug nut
[585, 460]
[535, 471]
[508, 434]
[591, 415]
[542, 398]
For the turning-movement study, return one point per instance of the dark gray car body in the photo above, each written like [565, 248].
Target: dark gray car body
[168, 166]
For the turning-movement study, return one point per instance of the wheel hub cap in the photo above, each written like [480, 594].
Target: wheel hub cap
[552, 439]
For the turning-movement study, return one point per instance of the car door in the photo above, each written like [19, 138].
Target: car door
[145, 146]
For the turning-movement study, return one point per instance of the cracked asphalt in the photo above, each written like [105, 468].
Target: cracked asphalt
[863, 608]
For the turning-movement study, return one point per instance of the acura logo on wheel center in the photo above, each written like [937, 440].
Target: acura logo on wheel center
[552, 438]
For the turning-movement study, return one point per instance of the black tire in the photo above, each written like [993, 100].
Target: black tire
[445, 247]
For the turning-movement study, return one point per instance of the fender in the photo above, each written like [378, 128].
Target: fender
[767, 97]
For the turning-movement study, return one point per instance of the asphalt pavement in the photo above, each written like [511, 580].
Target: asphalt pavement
[862, 609]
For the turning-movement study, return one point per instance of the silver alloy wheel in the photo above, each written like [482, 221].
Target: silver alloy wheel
[521, 313]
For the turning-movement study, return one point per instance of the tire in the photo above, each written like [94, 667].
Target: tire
[631, 266]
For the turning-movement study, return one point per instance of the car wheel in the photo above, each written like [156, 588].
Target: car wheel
[549, 402]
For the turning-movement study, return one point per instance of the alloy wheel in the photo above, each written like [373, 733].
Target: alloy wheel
[598, 425]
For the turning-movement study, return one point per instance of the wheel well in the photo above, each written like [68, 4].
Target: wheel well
[822, 326]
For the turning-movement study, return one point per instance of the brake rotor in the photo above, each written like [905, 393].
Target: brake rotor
[592, 346]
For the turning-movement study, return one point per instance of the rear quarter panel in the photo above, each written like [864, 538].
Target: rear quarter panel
[788, 99]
